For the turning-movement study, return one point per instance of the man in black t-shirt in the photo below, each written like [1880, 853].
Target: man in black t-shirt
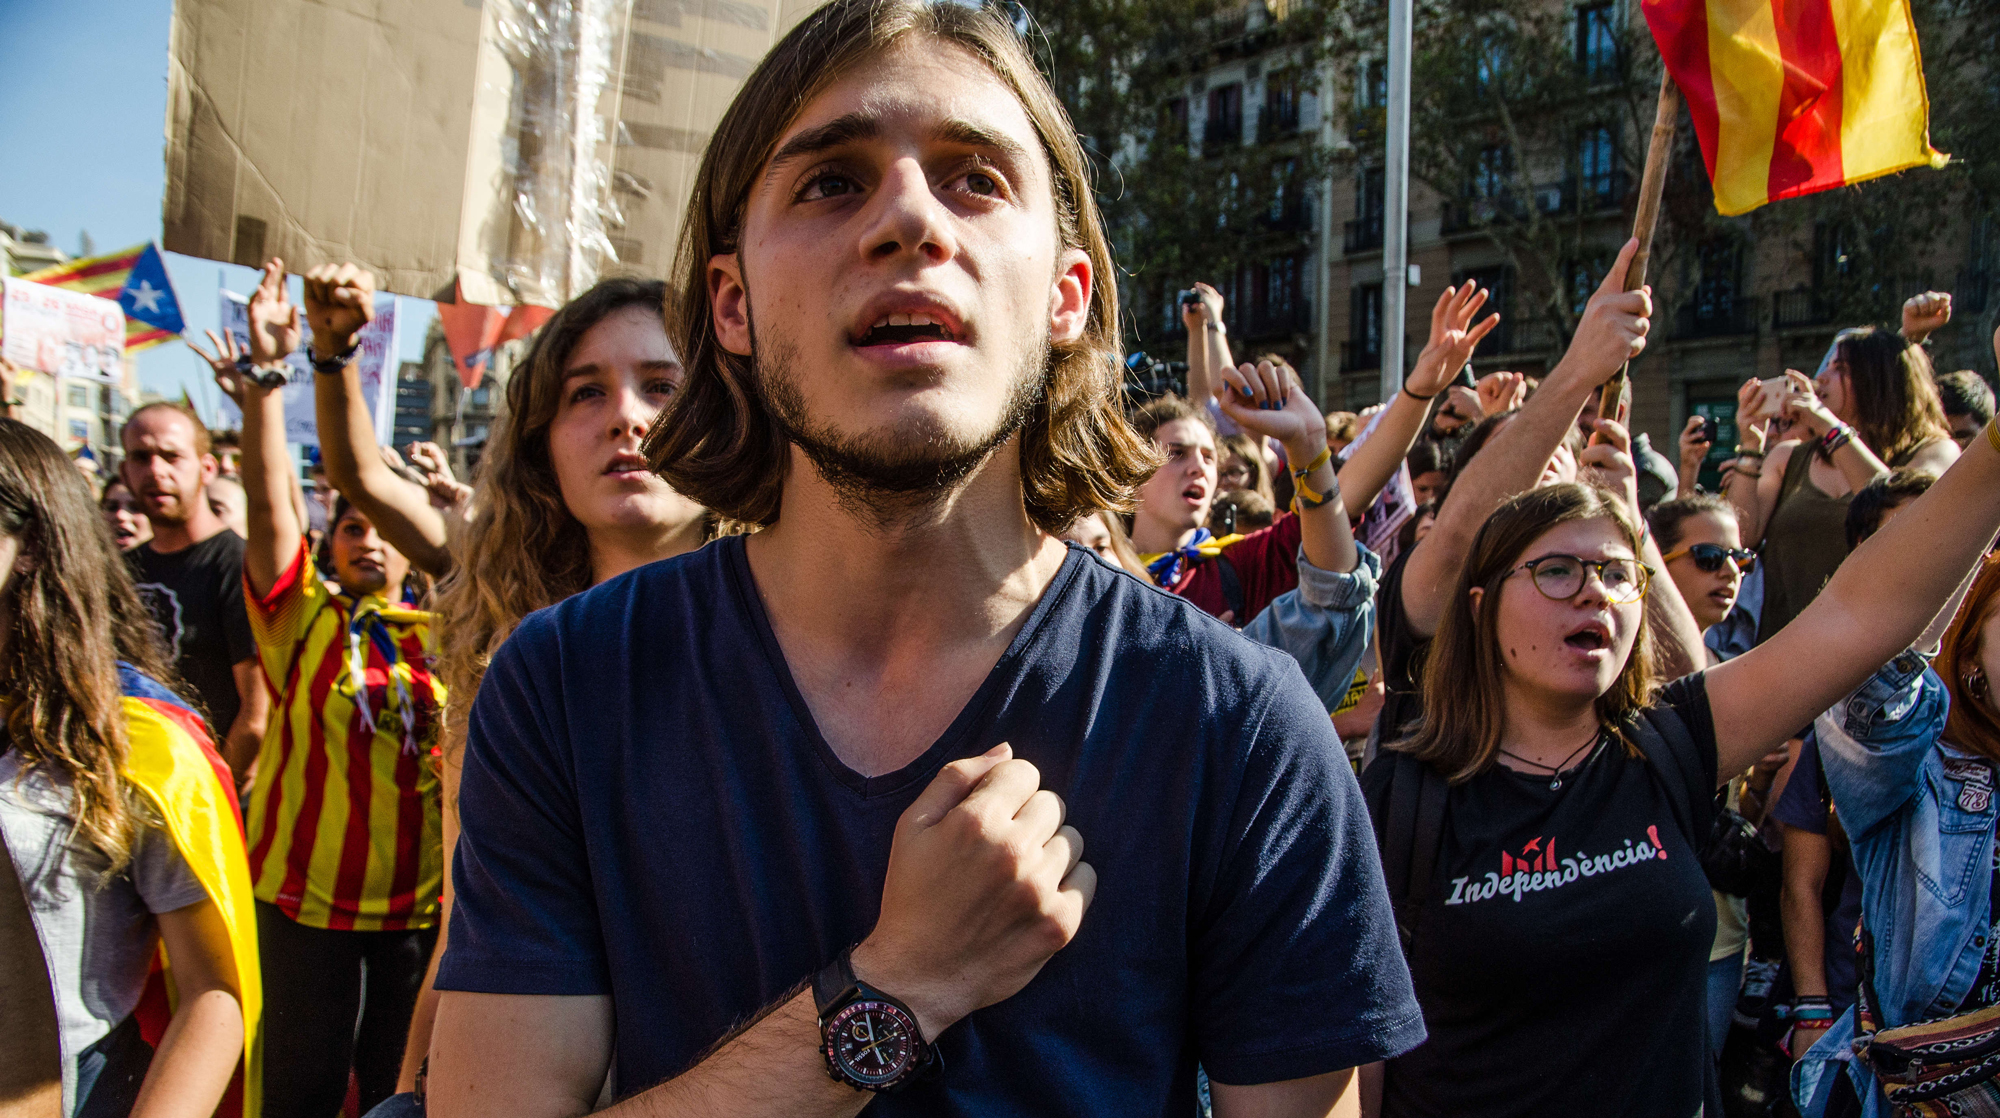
[794, 824]
[191, 575]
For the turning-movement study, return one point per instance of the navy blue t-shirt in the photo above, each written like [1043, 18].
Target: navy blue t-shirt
[650, 813]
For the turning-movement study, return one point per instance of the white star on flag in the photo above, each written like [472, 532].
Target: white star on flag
[146, 297]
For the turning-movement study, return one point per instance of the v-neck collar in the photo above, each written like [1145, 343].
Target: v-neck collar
[949, 745]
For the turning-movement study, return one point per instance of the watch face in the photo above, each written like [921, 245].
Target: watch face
[872, 1041]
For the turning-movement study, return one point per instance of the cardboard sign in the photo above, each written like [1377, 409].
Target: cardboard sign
[379, 348]
[64, 333]
[519, 149]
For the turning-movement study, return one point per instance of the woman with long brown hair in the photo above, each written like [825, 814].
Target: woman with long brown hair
[1541, 826]
[1872, 408]
[119, 829]
[564, 500]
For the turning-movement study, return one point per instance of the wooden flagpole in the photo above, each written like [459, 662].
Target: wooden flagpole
[1615, 401]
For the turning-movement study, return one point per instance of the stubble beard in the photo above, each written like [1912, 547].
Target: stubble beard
[892, 477]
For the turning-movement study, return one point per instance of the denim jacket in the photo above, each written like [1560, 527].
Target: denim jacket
[1325, 624]
[1924, 855]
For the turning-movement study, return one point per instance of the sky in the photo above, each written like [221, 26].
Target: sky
[83, 105]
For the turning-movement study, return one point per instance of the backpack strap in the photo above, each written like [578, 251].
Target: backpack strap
[1232, 588]
[1664, 749]
[1410, 838]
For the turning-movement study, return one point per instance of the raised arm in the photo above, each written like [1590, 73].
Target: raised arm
[1264, 400]
[1876, 604]
[1612, 332]
[1208, 345]
[275, 531]
[340, 301]
[1608, 462]
[1924, 313]
[1452, 340]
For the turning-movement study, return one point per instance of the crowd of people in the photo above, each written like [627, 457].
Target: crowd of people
[730, 743]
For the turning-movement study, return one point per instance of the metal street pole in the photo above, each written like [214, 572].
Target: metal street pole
[1396, 202]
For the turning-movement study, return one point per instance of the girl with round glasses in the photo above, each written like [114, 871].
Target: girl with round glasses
[1539, 829]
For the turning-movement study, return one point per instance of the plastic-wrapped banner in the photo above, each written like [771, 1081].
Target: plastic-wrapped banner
[551, 64]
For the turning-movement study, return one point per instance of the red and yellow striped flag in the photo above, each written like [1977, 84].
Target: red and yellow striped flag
[1795, 96]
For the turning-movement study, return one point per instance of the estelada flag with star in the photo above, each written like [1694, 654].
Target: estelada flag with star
[136, 279]
[1791, 97]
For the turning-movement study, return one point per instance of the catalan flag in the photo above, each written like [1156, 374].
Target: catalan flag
[1790, 97]
[137, 279]
[171, 760]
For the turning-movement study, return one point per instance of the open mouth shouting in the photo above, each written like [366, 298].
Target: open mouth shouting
[907, 327]
[1592, 639]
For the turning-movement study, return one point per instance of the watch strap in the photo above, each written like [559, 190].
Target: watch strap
[833, 984]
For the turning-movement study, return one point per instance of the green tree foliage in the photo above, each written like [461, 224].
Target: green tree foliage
[1179, 210]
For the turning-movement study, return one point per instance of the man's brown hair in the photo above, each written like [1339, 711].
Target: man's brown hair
[203, 444]
[719, 442]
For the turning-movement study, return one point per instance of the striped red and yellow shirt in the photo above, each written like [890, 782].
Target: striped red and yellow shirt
[344, 817]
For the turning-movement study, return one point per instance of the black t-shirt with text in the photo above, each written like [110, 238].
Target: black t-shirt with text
[1561, 953]
[196, 595]
[651, 813]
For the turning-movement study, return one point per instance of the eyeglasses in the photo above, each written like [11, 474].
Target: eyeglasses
[1562, 577]
[1708, 557]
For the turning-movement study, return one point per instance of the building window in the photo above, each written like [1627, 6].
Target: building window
[79, 430]
[1596, 43]
[482, 398]
[1363, 349]
[1281, 297]
[1225, 118]
[79, 395]
[1489, 173]
[1372, 91]
[1282, 93]
[1597, 164]
[1493, 60]
[1288, 199]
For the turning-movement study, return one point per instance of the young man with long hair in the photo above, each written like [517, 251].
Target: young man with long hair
[795, 823]
[118, 835]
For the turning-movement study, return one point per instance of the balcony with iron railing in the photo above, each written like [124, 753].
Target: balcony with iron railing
[1596, 193]
[1799, 308]
[1718, 316]
[1471, 214]
[1363, 234]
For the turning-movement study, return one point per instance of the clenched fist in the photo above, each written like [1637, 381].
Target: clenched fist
[340, 300]
[985, 883]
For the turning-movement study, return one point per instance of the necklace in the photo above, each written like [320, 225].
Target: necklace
[1555, 771]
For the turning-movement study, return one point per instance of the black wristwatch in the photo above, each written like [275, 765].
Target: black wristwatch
[870, 1040]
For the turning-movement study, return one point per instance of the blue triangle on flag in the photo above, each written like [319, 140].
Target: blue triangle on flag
[148, 294]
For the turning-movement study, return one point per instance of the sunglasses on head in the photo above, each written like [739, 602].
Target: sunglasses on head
[1709, 556]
